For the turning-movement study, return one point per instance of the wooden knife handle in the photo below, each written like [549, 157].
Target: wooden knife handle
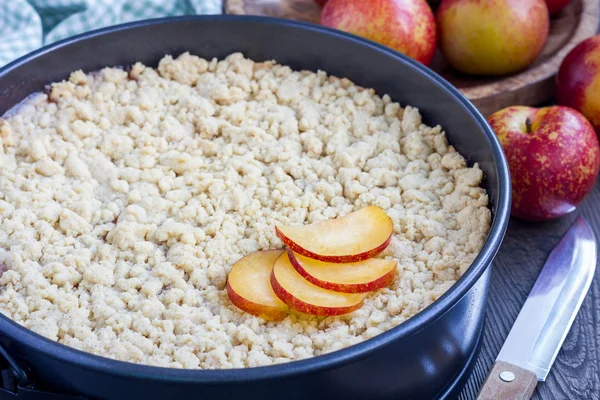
[508, 382]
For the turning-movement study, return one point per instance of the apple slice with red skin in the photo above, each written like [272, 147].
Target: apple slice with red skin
[357, 236]
[249, 288]
[359, 277]
[303, 296]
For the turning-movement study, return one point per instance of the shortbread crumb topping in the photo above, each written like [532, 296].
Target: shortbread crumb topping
[126, 196]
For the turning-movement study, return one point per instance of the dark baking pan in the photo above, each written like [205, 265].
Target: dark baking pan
[425, 357]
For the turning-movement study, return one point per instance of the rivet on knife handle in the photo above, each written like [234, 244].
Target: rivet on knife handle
[508, 382]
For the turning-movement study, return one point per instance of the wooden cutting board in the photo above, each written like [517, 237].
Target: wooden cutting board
[578, 21]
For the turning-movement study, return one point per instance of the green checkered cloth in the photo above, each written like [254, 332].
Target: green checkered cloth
[26, 25]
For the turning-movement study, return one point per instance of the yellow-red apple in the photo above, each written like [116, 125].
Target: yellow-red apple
[407, 26]
[357, 236]
[360, 277]
[303, 296]
[492, 37]
[249, 287]
[553, 155]
[578, 80]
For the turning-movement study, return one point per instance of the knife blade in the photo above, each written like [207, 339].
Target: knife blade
[545, 318]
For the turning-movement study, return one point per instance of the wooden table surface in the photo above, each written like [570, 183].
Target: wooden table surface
[575, 374]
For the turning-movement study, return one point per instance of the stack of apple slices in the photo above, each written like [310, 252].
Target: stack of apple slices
[327, 269]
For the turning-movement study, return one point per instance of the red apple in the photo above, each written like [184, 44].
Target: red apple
[553, 155]
[554, 6]
[578, 80]
[321, 2]
[404, 25]
[492, 37]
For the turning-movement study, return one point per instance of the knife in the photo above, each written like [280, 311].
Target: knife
[545, 319]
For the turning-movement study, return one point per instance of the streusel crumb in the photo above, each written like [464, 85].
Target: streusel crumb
[125, 197]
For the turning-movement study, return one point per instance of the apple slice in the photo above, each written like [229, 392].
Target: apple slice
[354, 237]
[359, 277]
[249, 289]
[303, 296]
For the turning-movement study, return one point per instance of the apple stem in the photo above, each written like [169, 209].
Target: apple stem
[528, 124]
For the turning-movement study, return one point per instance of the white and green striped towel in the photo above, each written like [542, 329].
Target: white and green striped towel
[26, 25]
